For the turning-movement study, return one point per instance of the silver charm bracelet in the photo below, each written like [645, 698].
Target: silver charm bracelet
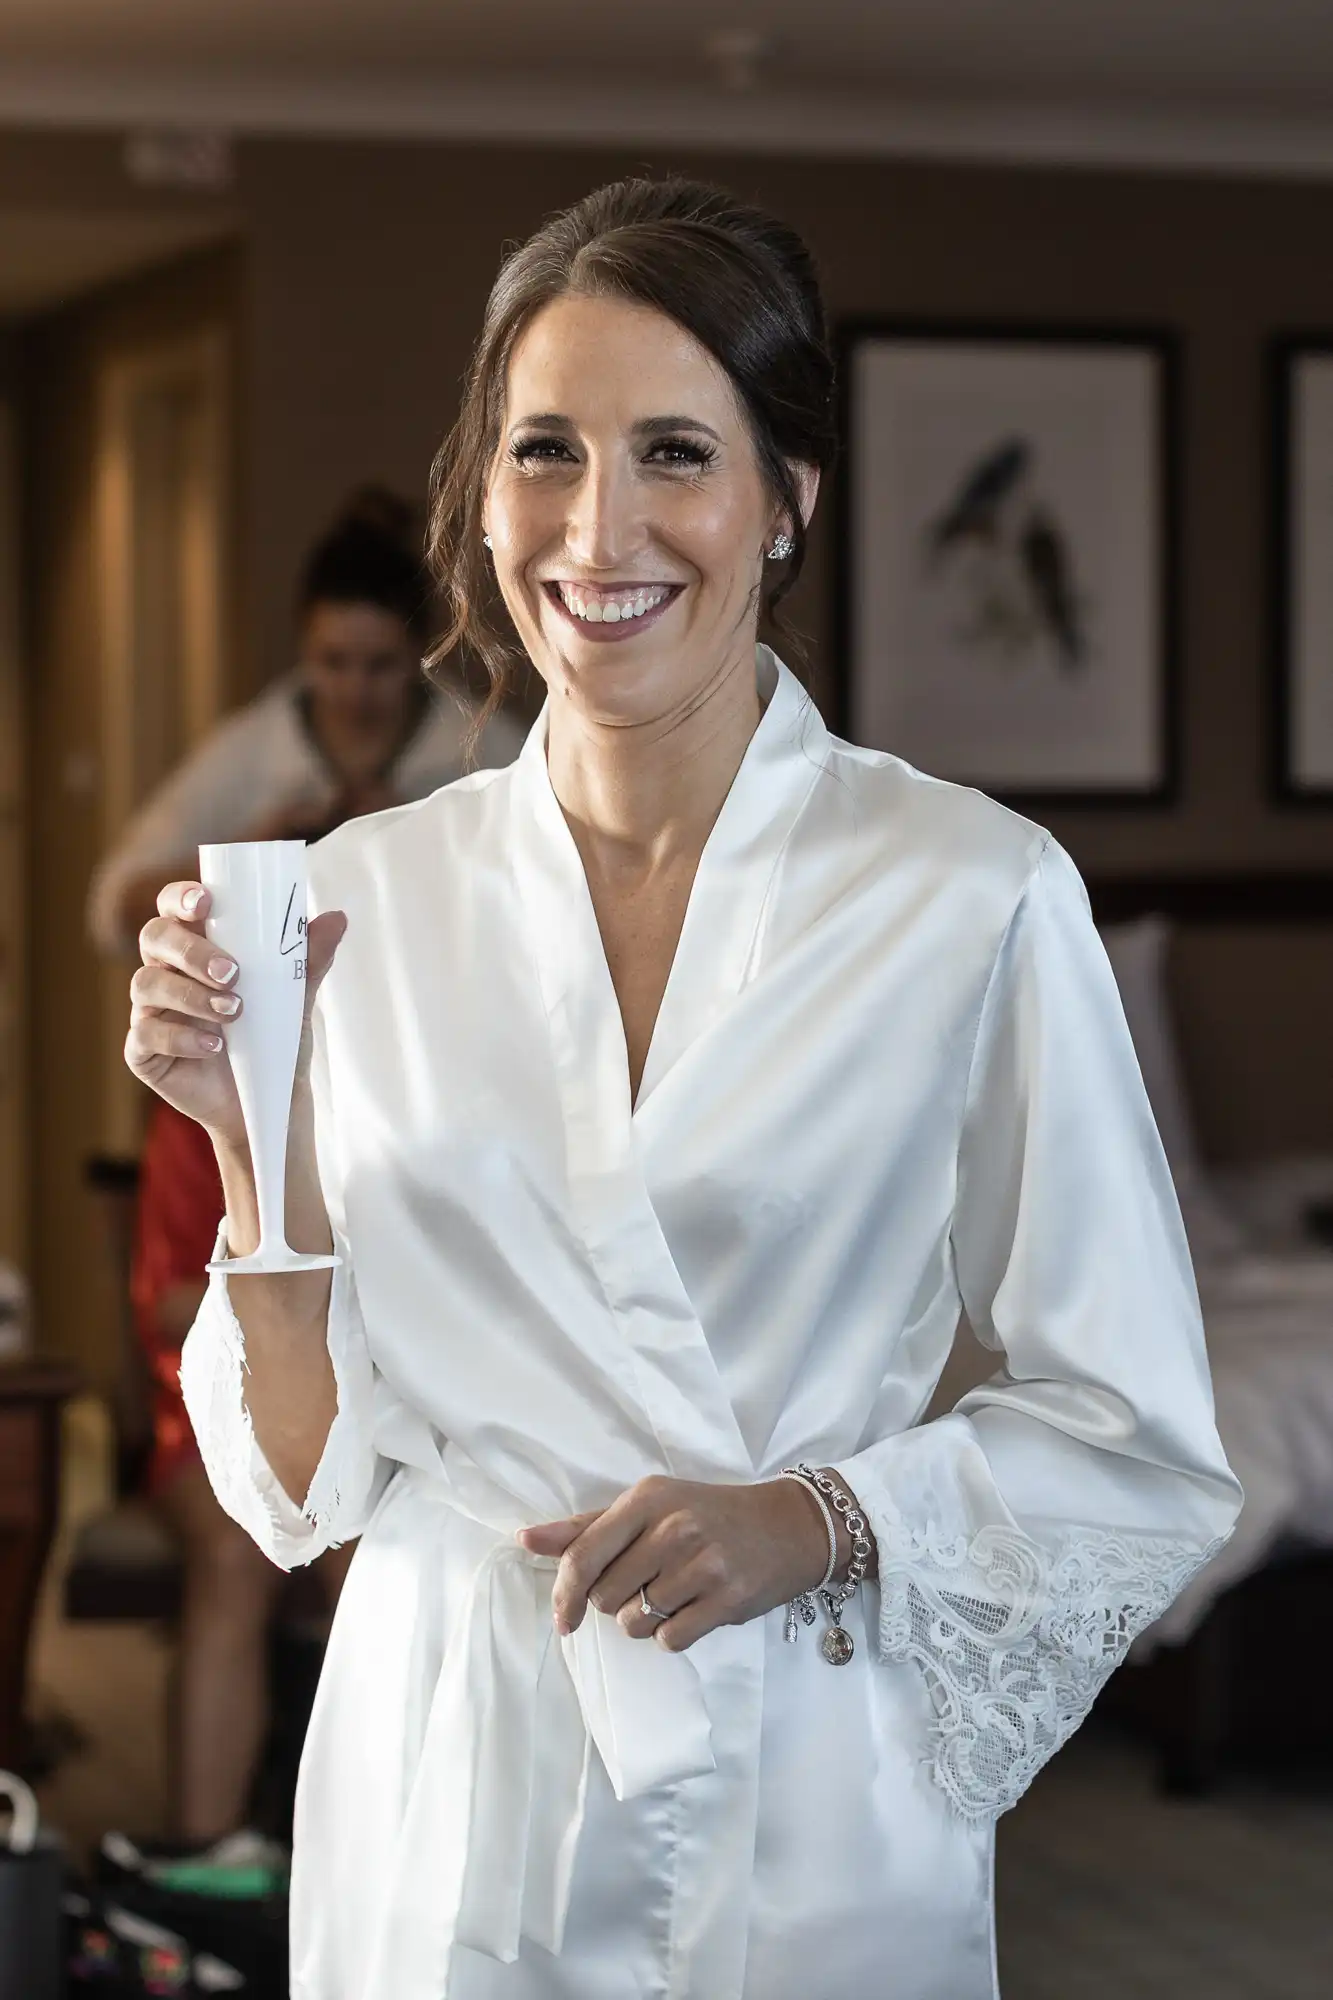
[803, 1604]
[837, 1644]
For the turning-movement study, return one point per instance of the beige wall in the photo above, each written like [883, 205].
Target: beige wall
[357, 291]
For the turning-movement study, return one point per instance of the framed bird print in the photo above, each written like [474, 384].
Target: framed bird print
[1302, 734]
[1005, 534]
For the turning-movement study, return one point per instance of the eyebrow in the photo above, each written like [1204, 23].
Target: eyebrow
[660, 426]
[551, 420]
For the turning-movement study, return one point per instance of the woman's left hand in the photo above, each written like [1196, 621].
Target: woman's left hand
[706, 1555]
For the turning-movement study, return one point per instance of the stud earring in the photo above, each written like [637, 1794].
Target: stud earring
[783, 546]
[486, 542]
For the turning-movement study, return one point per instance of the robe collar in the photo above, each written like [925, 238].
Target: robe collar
[724, 919]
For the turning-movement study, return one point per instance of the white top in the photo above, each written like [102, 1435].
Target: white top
[890, 1078]
[253, 764]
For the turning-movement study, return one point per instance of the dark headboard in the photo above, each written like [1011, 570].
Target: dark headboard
[1258, 898]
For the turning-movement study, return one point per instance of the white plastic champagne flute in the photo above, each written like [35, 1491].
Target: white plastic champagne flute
[257, 915]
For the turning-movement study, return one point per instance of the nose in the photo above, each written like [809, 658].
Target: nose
[358, 679]
[604, 526]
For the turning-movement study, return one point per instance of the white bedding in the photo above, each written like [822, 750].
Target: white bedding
[1269, 1323]
[1267, 1297]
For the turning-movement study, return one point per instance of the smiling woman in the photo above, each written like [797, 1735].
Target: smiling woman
[611, 520]
[657, 355]
[670, 1095]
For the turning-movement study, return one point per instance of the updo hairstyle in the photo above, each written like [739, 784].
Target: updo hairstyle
[370, 554]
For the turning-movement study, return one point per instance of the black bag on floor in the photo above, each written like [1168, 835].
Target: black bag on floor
[249, 1934]
[112, 1954]
[32, 1878]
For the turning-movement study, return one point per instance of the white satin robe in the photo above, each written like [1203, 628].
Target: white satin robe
[890, 1079]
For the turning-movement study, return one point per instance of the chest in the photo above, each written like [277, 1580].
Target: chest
[639, 923]
[469, 1063]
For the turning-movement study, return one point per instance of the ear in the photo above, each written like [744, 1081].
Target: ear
[806, 480]
[807, 487]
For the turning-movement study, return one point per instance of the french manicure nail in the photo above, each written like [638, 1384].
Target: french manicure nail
[224, 1003]
[222, 969]
[191, 900]
[211, 1042]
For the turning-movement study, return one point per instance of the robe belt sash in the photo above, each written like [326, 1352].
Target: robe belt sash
[487, 1855]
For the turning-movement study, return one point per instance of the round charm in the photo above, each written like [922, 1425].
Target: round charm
[837, 1646]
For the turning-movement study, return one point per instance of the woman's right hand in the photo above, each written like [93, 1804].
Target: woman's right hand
[182, 998]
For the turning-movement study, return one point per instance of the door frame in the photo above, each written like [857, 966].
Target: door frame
[199, 364]
[14, 1096]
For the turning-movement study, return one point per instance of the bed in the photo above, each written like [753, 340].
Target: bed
[1266, 1287]
[1212, 1680]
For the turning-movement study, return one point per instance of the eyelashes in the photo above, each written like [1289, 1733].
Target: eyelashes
[686, 453]
[528, 451]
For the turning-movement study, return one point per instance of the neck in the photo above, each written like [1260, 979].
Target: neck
[352, 749]
[639, 797]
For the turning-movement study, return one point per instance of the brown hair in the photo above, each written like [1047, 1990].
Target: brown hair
[371, 554]
[742, 283]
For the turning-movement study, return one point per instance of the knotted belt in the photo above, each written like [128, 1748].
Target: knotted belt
[486, 1855]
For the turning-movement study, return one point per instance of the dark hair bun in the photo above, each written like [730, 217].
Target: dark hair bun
[371, 554]
[380, 508]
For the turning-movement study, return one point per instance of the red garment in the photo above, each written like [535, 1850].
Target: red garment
[180, 1207]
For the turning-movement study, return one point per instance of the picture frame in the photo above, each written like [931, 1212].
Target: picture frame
[1301, 712]
[1007, 597]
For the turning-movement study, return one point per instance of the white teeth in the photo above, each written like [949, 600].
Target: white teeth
[610, 610]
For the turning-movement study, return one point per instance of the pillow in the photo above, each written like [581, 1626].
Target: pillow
[1137, 951]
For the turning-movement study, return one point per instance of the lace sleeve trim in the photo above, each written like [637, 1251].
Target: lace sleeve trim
[1016, 1640]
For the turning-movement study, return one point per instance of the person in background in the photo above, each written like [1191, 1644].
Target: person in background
[229, 1590]
[353, 728]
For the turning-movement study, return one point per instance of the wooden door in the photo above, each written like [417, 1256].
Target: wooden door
[14, 1246]
[162, 509]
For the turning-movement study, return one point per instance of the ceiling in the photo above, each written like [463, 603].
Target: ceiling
[1259, 53]
[1262, 53]
[1210, 82]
